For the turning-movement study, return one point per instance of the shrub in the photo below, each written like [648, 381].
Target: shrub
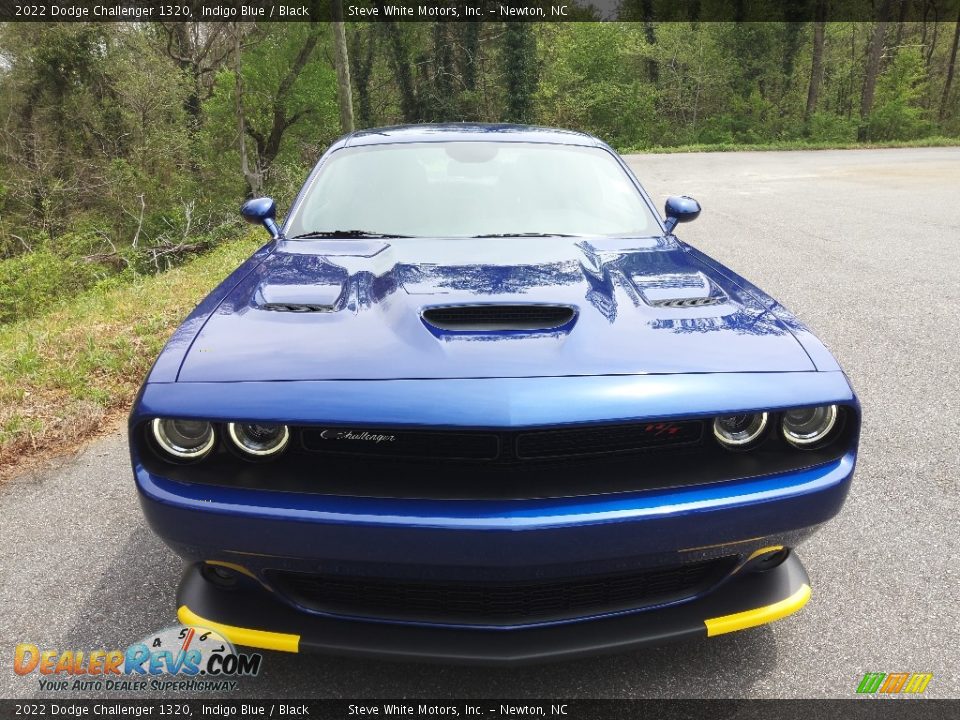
[30, 283]
[828, 127]
[898, 113]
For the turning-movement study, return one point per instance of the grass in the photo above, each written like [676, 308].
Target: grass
[798, 145]
[68, 373]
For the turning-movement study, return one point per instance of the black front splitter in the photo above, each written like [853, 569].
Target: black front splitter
[251, 616]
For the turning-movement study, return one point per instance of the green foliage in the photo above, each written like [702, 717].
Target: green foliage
[591, 81]
[310, 106]
[898, 113]
[29, 284]
[288, 119]
[677, 84]
[121, 157]
[828, 127]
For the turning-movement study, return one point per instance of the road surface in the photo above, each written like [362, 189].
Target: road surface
[865, 247]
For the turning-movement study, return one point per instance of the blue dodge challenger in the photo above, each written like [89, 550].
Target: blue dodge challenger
[474, 401]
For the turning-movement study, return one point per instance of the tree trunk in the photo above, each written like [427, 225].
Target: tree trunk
[468, 58]
[199, 49]
[950, 68]
[443, 100]
[874, 52]
[650, 34]
[932, 46]
[848, 102]
[361, 65]
[816, 67]
[520, 69]
[253, 177]
[409, 102]
[340, 60]
[901, 21]
[188, 62]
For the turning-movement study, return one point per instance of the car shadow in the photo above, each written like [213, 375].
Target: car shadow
[135, 596]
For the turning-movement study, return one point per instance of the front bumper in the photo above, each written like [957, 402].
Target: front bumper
[255, 618]
[443, 538]
[262, 531]
[480, 541]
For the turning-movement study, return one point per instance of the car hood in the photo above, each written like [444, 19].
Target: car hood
[354, 309]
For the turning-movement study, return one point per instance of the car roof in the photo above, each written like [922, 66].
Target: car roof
[461, 132]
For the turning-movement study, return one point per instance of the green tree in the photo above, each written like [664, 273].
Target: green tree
[287, 97]
[898, 113]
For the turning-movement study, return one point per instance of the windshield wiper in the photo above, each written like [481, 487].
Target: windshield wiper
[523, 234]
[346, 234]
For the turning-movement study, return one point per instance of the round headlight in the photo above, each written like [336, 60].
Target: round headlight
[184, 439]
[739, 431]
[809, 426]
[259, 439]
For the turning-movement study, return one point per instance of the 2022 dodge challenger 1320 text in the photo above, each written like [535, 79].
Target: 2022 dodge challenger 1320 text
[474, 401]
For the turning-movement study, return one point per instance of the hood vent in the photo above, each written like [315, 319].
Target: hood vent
[498, 318]
[320, 297]
[686, 302]
[296, 307]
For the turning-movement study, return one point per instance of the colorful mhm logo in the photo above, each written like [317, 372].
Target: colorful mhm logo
[893, 683]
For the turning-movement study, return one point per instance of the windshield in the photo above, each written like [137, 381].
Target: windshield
[472, 189]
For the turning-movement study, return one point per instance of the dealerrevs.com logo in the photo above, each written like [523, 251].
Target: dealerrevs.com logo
[176, 658]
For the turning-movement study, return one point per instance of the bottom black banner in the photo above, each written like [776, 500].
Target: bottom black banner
[901, 708]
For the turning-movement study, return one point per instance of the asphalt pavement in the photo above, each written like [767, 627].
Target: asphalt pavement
[864, 246]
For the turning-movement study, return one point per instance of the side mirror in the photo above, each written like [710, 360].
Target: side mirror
[680, 209]
[262, 210]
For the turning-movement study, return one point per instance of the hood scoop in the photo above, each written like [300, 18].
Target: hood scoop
[487, 318]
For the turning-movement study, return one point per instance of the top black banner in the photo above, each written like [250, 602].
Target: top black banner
[927, 11]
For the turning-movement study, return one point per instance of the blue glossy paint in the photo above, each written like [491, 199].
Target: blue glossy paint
[373, 328]
[494, 402]
[264, 211]
[366, 358]
[513, 514]
[167, 365]
[680, 209]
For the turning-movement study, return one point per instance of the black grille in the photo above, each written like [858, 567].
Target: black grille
[608, 439]
[394, 443]
[499, 603]
[491, 318]
[576, 460]
[504, 447]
